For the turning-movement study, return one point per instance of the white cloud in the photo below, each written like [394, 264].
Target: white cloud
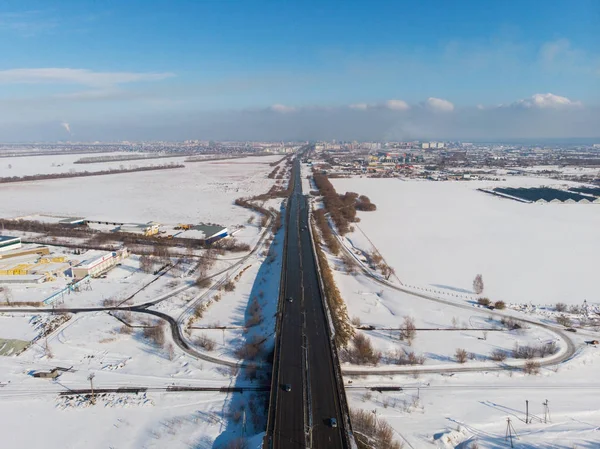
[76, 76]
[439, 105]
[546, 101]
[397, 105]
[359, 106]
[393, 105]
[281, 108]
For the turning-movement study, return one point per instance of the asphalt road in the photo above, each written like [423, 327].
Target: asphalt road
[313, 398]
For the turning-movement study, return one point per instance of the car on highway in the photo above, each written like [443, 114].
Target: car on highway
[287, 387]
[290, 299]
[332, 423]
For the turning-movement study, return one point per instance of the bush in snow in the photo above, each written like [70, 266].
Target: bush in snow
[229, 286]
[500, 305]
[461, 355]
[510, 323]
[249, 350]
[531, 367]
[408, 330]
[206, 343]
[156, 334]
[498, 355]
[371, 431]
[564, 320]
[530, 352]
[560, 307]
[361, 351]
[203, 282]
[483, 301]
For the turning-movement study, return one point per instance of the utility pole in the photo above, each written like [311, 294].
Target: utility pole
[510, 430]
[526, 411]
[91, 379]
[546, 412]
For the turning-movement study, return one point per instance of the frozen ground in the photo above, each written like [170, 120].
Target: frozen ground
[448, 412]
[33, 165]
[441, 234]
[385, 308]
[93, 343]
[258, 280]
[438, 236]
[16, 326]
[200, 192]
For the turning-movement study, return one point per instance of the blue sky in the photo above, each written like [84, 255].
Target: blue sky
[114, 69]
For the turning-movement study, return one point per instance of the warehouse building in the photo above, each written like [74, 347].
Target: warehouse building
[23, 279]
[150, 228]
[212, 233]
[98, 262]
[8, 243]
[25, 251]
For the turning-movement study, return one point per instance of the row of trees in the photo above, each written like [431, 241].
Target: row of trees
[341, 208]
[344, 331]
[125, 157]
[323, 225]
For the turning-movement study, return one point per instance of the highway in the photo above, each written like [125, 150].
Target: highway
[305, 358]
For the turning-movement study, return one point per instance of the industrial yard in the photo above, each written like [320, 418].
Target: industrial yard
[85, 277]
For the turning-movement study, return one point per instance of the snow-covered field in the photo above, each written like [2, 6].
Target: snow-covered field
[100, 344]
[200, 192]
[437, 236]
[34, 165]
[93, 343]
[382, 307]
[448, 412]
[441, 234]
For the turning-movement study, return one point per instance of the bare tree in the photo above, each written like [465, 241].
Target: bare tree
[408, 330]
[532, 367]
[498, 355]
[478, 284]
[146, 264]
[461, 355]
[386, 270]
[564, 320]
[206, 343]
[560, 307]
[156, 334]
